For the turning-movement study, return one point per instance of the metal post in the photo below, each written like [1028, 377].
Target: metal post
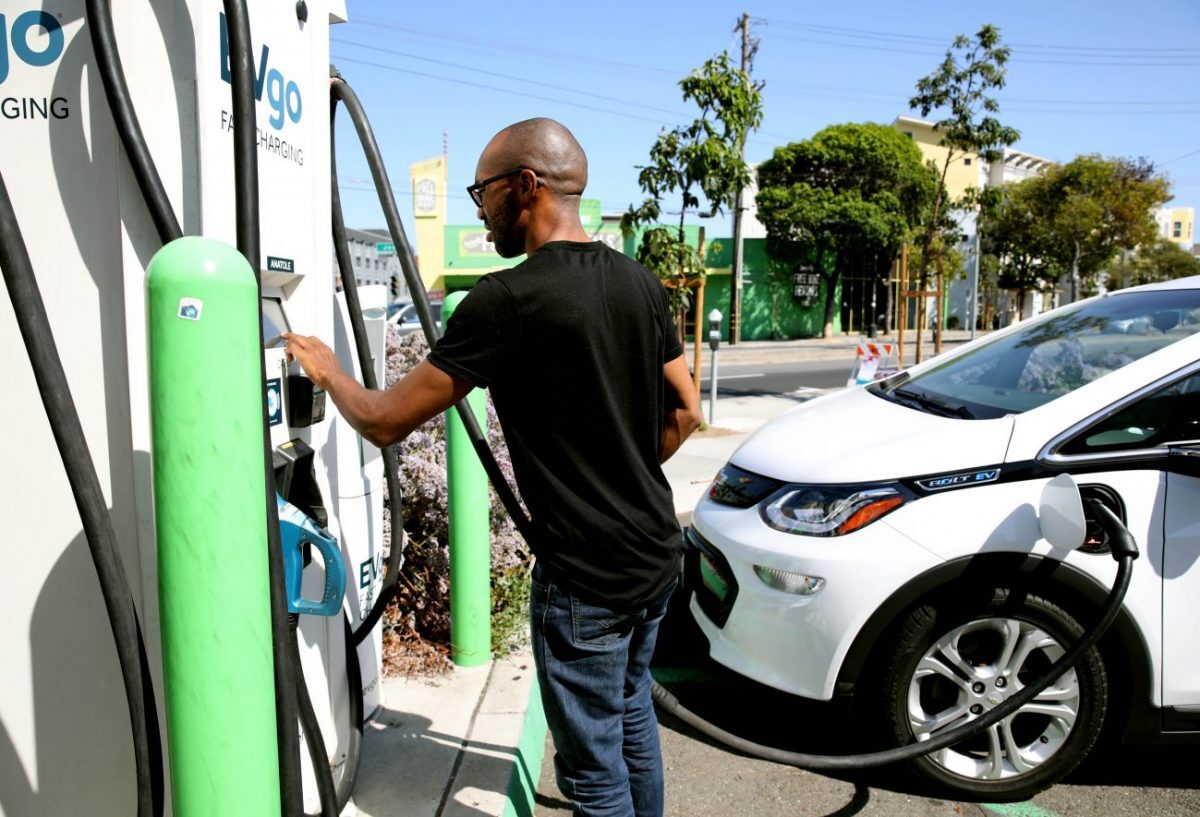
[975, 270]
[206, 394]
[470, 543]
[714, 341]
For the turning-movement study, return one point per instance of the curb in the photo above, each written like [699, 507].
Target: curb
[527, 765]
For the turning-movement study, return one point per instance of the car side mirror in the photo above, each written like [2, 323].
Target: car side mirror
[1060, 514]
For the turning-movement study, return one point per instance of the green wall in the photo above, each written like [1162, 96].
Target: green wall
[796, 320]
[464, 251]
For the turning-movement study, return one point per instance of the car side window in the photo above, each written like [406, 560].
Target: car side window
[1169, 415]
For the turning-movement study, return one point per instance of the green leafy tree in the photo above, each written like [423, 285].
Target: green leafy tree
[1074, 219]
[1095, 207]
[1013, 233]
[703, 159]
[1162, 261]
[960, 87]
[851, 189]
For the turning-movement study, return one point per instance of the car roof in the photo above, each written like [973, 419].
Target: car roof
[1191, 282]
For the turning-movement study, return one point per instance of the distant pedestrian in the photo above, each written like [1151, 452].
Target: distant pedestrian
[583, 360]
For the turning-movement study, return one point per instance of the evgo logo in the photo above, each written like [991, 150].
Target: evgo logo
[22, 41]
[283, 95]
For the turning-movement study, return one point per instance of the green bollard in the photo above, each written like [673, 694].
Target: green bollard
[470, 533]
[214, 598]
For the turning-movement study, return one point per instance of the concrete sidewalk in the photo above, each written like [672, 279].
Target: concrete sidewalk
[471, 742]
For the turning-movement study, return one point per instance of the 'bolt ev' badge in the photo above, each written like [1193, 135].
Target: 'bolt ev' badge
[959, 480]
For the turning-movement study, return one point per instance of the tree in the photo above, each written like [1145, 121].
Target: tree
[959, 86]
[851, 189]
[700, 159]
[1162, 261]
[1012, 231]
[1096, 207]
[1074, 219]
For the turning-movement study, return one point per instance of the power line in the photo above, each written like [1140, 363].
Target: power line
[917, 38]
[1184, 156]
[1081, 62]
[496, 88]
[514, 92]
[504, 76]
[573, 58]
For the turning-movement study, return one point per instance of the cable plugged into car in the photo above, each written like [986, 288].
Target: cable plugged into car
[834, 515]
[1063, 526]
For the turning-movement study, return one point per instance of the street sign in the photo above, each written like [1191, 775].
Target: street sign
[385, 247]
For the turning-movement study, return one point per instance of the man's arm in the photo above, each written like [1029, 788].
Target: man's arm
[682, 415]
[381, 417]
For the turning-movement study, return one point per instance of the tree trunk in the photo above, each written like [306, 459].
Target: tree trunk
[830, 292]
[927, 245]
[830, 305]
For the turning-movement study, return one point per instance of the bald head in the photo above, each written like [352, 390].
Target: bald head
[542, 145]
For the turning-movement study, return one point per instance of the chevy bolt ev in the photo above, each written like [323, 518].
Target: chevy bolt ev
[883, 542]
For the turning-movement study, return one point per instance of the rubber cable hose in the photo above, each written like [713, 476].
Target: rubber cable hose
[342, 91]
[30, 312]
[670, 704]
[245, 160]
[390, 469]
[313, 739]
[345, 784]
[108, 63]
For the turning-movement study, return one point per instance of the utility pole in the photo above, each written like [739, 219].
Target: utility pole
[973, 309]
[735, 283]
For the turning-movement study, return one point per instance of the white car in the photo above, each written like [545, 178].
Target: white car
[881, 544]
[405, 318]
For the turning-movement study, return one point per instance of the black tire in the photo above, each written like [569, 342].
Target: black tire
[944, 665]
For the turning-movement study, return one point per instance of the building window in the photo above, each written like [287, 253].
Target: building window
[908, 133]
[967, 160]
[1178, 231]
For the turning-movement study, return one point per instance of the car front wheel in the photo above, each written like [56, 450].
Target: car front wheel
[953, 662]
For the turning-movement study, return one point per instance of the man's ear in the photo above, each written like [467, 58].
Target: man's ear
[528, 184]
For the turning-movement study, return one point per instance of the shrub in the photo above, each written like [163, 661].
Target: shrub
[419, 619]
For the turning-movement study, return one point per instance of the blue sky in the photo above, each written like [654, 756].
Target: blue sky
[1086, 76]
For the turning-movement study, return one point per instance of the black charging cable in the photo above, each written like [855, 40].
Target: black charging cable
[34, 324]
[665, 700]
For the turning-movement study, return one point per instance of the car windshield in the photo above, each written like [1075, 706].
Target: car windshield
[1051, 356]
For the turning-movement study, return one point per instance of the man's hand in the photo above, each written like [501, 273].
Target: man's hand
[318, 360]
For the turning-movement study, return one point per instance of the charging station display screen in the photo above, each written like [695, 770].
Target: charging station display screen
[274, 323]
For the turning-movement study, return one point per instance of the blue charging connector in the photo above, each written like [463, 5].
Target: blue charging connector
[296, 530]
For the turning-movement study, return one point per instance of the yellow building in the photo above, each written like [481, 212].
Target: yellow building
[965, 170]
[1177, 224]
[452, 256]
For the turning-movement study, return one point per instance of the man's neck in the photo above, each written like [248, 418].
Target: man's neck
[563, 229]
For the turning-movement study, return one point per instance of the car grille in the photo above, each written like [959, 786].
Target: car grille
[707, 574]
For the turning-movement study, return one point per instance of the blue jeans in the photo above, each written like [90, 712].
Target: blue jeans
[593, 668]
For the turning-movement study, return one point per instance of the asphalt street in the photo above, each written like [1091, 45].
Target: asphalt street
[775, 378]
[704, 779]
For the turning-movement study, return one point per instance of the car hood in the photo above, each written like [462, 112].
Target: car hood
[857, 436]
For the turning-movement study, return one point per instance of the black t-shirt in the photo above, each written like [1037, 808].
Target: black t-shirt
[572, 344]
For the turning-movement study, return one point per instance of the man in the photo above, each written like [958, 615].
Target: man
[584, 364]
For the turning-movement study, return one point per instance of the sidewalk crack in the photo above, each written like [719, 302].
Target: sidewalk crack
[463, 744]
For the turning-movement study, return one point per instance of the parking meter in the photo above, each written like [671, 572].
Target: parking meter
[714, 341]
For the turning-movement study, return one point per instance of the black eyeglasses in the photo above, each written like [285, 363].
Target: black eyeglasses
[475, 191]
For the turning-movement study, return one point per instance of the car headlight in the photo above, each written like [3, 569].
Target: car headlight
[739, 488]
[813, 510]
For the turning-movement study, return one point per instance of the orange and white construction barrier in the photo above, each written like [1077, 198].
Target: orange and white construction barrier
[873, 361]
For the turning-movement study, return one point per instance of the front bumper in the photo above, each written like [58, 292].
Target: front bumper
[792, 642]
